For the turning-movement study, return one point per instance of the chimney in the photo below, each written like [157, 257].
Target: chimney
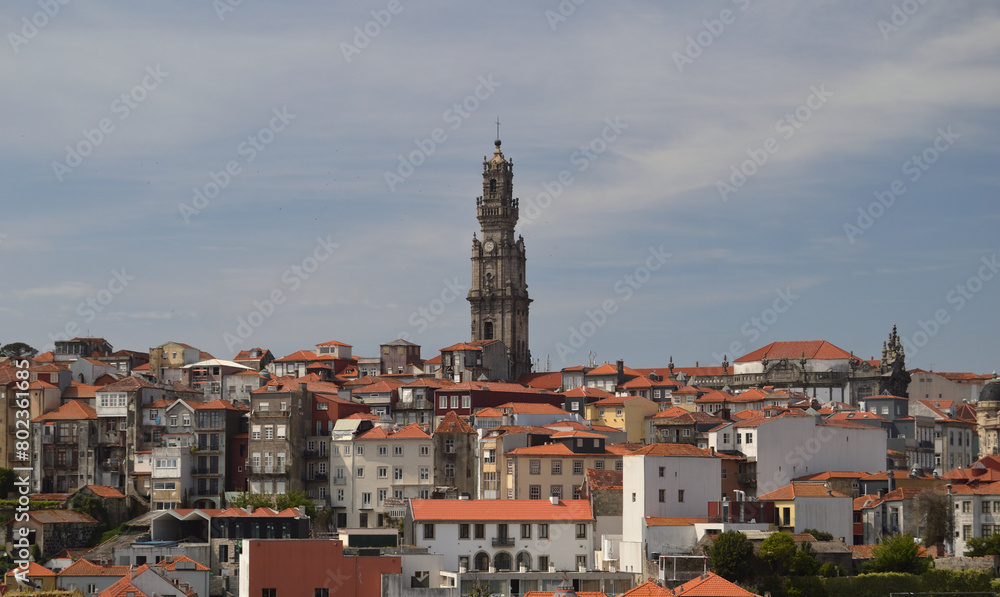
[892, 480]
[555, 500]
[620, 372]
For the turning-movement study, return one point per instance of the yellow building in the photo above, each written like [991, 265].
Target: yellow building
[623, 412]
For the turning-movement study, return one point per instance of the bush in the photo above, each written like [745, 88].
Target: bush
[956, 581]
[830, 570]
[873, 585]
[731, 554]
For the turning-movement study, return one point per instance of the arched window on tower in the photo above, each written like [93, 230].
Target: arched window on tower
[488, 330]
[493, 185]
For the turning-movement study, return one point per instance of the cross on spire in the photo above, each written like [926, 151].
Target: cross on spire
[498, 127]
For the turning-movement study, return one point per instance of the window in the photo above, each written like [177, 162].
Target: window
[663, 495]
[383, 472]
[425, 450]
[425, 494]
[443, 402]
[268, 432]
[581, 561]
[543, 532]
[397, 450]
[599, 464]
[543, 562]
[449, 446]
[269, 593]
[425, 473]
[466, 402]
[535, 492]
[360, 450]
[449, 471]
[361, 472]
[986, 507]
[479, 530]
[397, 473]
[749, 438]
[680, 495]
[660, 471]
[383, 450]
[173, 420]
[577, 467]
[619, 411]
[556, 491]
[454, 402]
[966, 532]
[619, 465]
[428, 531]
[557, 467]
[321, 592]
[526, 531]
[463, 531]
[739, 438]
[966, 506]
[535, 467]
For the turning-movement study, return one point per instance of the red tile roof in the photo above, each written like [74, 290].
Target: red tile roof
[797, 490]
[812, 349]
[74, 410]
[664, 449]
[532, 408]
[489, 510]
[605, 479]
[452, 423]
[549, 380]
[648, 589]
[334, 343]
[710, 584]
[84, 567]
[585, 392]
[104, 491]
[670, 521]
[181, 558]
[35, 570]
[128, 384]
[489, 413]
[411, 431]
[59, 517]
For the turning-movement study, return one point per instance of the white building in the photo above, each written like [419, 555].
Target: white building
[795, 444]
[977, 512]
[369, 467]
[544, 535]
[664, 481]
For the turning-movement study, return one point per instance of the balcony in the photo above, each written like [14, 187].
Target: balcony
[268, 469]
[111, 465]
[503, 542]
[749, 479]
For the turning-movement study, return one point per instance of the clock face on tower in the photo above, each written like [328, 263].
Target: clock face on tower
[488, 245]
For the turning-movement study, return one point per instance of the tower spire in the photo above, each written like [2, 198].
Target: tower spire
[498, 127]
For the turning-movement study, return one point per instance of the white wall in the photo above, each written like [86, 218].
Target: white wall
[835, 515]
[790, 447]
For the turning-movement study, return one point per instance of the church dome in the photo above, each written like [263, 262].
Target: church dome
[991, 391]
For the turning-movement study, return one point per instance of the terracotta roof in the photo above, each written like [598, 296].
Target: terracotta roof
[490, 413]
[977, 489]
[429, 382]
[812, 349]
[532, 408]
[128, 384]
[124, 586]
[617, 400]
[550, 380]
[411, 431]
[670, 521]
[663, 449]
[217, 404]
[585, 392]
[35, 570]
[59, 517]
[452, 423]
[477, 510]
[460, 346]
[797, 490]
[648, 589]
[578, 593]
[74, 410]
[182, 558]
[605, 479]
[84, 567]
[363, 416]
[104, 491]
[623, 448]
[576, 433]
[334, 343]
[79, 390]
[542, 450]
[383, 385]
[710, 584]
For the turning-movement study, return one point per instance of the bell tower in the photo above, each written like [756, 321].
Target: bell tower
[499, 293]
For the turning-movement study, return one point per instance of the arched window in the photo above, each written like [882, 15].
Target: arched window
[524, 559]
[493, 185]
[482, 561]
[502, 561]
[488, 330]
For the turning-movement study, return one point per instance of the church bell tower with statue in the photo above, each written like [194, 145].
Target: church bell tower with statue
[499, 293]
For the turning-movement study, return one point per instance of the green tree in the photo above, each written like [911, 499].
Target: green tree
[983, 546]
[819, 535]
[803, 562]
[731, 554]
[17, 349]
[934, 509]
[279, 502]
[777, 551]
[898, 553]
[6, 482]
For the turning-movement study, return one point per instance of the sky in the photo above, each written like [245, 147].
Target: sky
[696, 179]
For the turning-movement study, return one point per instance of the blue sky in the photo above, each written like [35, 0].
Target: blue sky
[713, 159]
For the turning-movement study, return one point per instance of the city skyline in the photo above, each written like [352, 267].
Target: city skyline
[694, 181]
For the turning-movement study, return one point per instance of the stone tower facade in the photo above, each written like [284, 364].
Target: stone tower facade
[499, 292]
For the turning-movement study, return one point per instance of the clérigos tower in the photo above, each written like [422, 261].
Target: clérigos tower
[499, 293]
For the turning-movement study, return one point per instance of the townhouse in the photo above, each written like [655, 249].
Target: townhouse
[372, 466]
[540, 535]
